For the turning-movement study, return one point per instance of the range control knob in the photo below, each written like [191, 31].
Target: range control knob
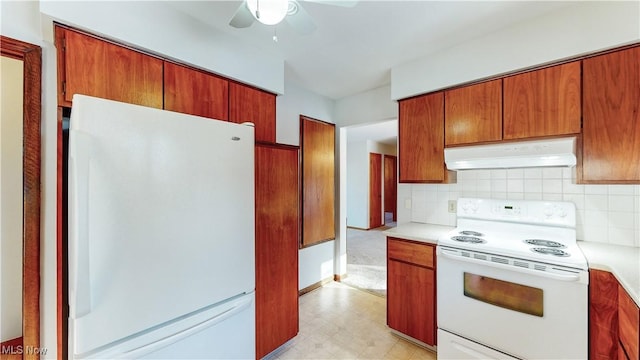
[548, 211]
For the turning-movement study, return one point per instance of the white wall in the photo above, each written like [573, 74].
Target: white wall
[367, 107]
[11, 198]
[298, 101]
[358, 184]
[160, 29]
[605, 213]
[582, 28]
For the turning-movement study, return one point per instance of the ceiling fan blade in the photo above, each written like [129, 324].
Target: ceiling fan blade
[301, 21]
[343, 3]
[242, 18]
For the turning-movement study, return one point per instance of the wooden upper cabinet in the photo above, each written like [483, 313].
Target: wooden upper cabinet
[611, 134]
[543, 102]
[421, 139]
[247, 104]
[473, 113]
[195, 92]
[90, 66]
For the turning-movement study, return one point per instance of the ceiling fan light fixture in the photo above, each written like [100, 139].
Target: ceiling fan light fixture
[268, 12]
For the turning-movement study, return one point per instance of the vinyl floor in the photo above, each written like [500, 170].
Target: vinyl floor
[338, 321]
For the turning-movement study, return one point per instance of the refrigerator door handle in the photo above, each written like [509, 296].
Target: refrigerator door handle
[136, 353]
[80, 282]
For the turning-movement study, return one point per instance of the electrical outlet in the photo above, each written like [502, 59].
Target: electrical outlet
[407, 203]
[452, 206]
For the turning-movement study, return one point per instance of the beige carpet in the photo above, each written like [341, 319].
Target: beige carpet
[367, 260]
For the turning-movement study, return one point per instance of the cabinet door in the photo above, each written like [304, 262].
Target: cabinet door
[611, 134]
[195, 92]
[628, 324]
[421, 139]
[473, 113]
[543, 102]
[256, 106]
[411, 300]
[99, 68]
[277, 232]
[317, 140]
[603, 315]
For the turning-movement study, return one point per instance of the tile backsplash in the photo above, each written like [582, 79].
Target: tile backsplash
[605, 213]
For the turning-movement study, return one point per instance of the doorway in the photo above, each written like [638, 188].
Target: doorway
[369, 149]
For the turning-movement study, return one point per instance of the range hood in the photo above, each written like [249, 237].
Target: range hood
[537, 153]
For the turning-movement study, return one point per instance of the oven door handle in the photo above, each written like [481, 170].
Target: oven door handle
[568, 277]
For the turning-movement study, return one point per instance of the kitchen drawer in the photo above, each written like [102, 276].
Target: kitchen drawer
[628, 319]
[411, 252]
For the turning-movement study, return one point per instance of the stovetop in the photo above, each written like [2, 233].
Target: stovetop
[539, 231]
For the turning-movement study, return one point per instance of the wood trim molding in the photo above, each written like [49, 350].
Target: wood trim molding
[314, 286]
[31, 55]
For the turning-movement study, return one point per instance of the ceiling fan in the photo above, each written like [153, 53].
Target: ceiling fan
[272, 12]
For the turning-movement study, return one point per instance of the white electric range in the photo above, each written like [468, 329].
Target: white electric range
[512, 282]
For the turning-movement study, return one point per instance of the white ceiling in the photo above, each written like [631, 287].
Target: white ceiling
[353, 49]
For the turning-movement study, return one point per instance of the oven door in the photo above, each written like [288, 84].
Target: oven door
[526, 313]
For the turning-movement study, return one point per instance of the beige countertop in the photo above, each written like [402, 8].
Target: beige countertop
[427, 233]
[622, 261]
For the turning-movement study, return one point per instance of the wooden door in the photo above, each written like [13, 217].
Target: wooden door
[195, 92]
[543, 102]
[277, 234]
[94, 67]
[317, 140]
[247, 104]
[375, 190]
[473, 113]
[603, 315]
[390, 186]
[611, 134]
[421, 139]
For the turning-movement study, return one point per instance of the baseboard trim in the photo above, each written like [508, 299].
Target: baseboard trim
[415, 341]
[357, 228]
[314, 286]
[339, 278]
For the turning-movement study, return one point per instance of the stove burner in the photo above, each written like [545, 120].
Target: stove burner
[468, 239]
[547, 243]
[471, 233]
[550, 251]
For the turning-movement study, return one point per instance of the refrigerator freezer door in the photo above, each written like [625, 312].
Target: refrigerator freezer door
[161, 218]
[219, 332]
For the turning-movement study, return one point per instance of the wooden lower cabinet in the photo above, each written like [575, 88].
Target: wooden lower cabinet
[411, 289]
[628, 324]
[614, 319]
[277, 237]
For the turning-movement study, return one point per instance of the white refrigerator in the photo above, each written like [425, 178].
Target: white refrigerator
[161, 234]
